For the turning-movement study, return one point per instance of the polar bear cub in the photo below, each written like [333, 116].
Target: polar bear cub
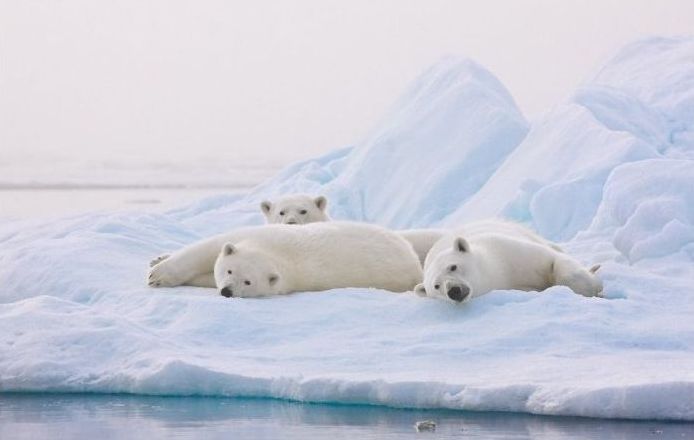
[295, 209]
[493, 255]
[278, 259]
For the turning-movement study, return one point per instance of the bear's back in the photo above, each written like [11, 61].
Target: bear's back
[340, 254]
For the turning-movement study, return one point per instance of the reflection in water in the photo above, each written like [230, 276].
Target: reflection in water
[36, 416]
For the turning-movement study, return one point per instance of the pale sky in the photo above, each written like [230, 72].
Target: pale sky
[277, 81]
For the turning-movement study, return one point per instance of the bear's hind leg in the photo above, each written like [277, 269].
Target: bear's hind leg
[569, 272]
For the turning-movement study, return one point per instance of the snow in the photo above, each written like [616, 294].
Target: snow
[609, 173]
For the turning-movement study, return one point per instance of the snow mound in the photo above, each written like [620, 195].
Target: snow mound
[609, 172]
[648, 208]
[455, 125]
[639, 106]
[553, 180]
[657, 72]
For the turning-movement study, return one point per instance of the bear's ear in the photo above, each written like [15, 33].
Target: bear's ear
[273, 278]
[461, 245]
[595, 268]
[266, 206]
[228, 249]
[420, 290]
[321, 202]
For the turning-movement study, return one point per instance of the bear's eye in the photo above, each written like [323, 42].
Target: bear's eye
[436, 286]
[303, 212]
[452, 268]
[229, 271]
[281, 212]
[248, 283]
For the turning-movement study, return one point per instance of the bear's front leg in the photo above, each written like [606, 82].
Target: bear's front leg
[186, 264]
[158, 260]
[203, 280]
[165, 274]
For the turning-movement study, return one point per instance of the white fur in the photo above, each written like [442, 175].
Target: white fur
[317, 256]
[297, 209]
[492, 255]
[301, 209]
[422, 240]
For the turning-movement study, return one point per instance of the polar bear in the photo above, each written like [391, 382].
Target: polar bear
[296, 209]
[278, 259]
[492, 255]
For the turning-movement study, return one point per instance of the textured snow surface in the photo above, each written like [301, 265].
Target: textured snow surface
[609, 173]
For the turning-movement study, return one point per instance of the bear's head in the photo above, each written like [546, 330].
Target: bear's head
[452, 274]
[245, 273]
[296, 210]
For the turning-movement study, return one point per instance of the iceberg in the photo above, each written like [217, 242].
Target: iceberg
[609, 173]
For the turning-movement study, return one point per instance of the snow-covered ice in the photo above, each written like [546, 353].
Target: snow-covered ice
[609, 173]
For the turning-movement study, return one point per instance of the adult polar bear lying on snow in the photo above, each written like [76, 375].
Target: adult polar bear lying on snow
[492, 255]
[301, 209]
[278, 259]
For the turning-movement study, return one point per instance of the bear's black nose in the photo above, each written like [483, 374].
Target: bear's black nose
[226, 292]
[458, 293]
[291, 222]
